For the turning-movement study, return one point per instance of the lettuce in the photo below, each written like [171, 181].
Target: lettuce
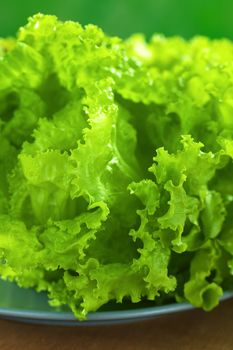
[115, 166]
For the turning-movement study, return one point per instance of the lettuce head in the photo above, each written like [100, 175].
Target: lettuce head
[115, 166]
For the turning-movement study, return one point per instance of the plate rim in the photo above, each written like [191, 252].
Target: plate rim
[102, 316]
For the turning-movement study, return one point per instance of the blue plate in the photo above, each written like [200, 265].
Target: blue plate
[26, 305]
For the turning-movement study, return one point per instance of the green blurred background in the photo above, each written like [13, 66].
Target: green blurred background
[124, 17]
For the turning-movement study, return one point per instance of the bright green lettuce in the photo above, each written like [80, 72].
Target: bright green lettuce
[115, 166]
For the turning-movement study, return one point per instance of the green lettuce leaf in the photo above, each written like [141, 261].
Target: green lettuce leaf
[115, 166]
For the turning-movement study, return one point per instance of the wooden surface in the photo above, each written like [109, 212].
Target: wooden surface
[194, 330]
